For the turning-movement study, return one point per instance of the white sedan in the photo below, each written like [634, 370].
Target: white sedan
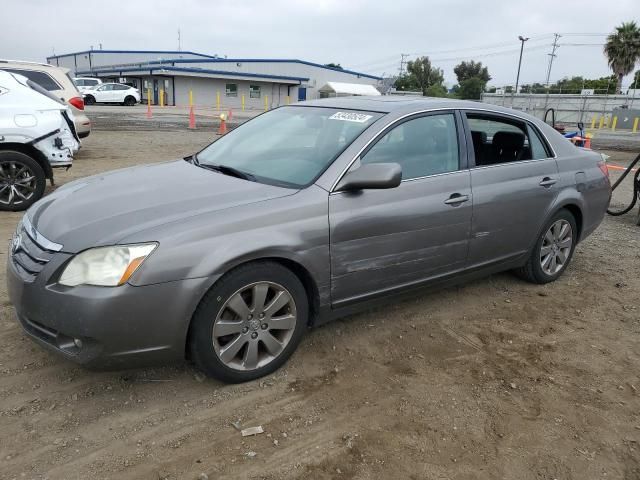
[112, 93]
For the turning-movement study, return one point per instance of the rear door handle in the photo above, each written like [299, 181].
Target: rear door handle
[547, 182]
[456, 199]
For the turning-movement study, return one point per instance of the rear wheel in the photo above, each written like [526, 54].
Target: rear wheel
[553, 250]
[89, 100]
[129, 101]
[249, 323]
[22, 181]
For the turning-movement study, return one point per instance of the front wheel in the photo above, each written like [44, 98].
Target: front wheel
[249, 323]
[22, 181]
[553, 250]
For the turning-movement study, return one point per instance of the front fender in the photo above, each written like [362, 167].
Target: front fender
[294, 228]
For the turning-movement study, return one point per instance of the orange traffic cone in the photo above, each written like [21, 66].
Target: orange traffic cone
[192, 119]
[230, 116]
[587, 141]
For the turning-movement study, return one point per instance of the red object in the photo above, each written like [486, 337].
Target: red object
[223, 127]
[192, 119]
[587, 142]
[77, 102]
[230, 116]
[604, 168]
[149, 113]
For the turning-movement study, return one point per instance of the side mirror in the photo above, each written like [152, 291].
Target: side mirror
[371, 176]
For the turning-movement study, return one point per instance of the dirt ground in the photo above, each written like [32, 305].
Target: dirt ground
[497, 379]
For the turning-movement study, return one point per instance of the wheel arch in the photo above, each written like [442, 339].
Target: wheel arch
[297, 268]
[31, 151]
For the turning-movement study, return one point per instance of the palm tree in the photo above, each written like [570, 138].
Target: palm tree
[623, 50]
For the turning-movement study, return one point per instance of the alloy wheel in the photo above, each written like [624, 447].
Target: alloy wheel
[254, 326]
[556, 247]
[17, 183]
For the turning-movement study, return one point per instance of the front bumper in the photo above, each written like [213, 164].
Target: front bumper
[101, 327]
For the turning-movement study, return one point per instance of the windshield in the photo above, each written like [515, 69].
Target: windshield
[288, 146]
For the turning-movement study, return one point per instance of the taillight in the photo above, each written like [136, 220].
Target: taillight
[604, 168]
[77, 102]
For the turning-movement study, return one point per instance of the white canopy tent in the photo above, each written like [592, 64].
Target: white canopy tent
[339, 89]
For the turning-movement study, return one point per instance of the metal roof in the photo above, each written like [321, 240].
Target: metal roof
[213, 59]
[163, 69]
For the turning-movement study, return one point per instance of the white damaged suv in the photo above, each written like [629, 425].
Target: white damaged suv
[37, 134]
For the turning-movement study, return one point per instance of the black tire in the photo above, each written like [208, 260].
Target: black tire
[532, 271]
[89, 100]
[201, 343]
[23, 166]
[129, 101]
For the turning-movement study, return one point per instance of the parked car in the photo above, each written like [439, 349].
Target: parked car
[112, 93]
[86, 83]
[36, 135]
[296, 217]
[57, 81]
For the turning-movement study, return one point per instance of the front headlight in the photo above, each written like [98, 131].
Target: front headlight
[105, 266]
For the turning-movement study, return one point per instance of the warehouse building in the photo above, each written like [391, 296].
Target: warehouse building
[171, 76]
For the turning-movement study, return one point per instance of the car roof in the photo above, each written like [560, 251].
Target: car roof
[392, 103]
[25, 62]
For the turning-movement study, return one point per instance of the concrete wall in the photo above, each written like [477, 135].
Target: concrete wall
[570, 109]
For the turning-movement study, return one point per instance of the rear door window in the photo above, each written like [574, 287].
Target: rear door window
[41, 78]
[499, 140]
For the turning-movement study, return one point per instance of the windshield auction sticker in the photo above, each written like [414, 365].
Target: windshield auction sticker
[350, 117]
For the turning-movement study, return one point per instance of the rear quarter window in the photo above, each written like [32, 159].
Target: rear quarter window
[41, 78]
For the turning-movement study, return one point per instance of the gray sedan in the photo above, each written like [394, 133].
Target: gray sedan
[301, 215]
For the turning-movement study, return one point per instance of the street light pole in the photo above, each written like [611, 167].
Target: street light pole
[522, 40]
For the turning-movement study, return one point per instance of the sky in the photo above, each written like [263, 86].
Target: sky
[367, 36]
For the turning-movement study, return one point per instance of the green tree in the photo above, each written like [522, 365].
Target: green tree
[623, 50]
[636, 80]
[471, 69]
[436, 91]
[471, 88]
[420, 76]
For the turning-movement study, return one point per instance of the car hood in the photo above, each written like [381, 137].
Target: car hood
[104, 209]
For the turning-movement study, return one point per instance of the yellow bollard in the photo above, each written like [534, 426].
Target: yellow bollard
[148, 97]
[218, 100]
[635, 125]
[242, 101]
[288, 99]
[601, 124]
[614, 122]
[266, 100]
[190, 98]
[593, 122]
[161, 98]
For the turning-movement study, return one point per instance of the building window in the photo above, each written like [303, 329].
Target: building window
[254, 91]
[231, 90]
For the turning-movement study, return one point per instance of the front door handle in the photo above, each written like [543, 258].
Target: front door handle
[456, 199]
[547, 182]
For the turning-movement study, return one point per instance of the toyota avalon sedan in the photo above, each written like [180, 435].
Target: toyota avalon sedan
[301, 215]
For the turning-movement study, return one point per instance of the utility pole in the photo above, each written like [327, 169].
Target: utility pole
[402, 62]
[552, 55]
[522, 40]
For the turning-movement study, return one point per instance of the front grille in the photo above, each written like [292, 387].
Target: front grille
[28, 257]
